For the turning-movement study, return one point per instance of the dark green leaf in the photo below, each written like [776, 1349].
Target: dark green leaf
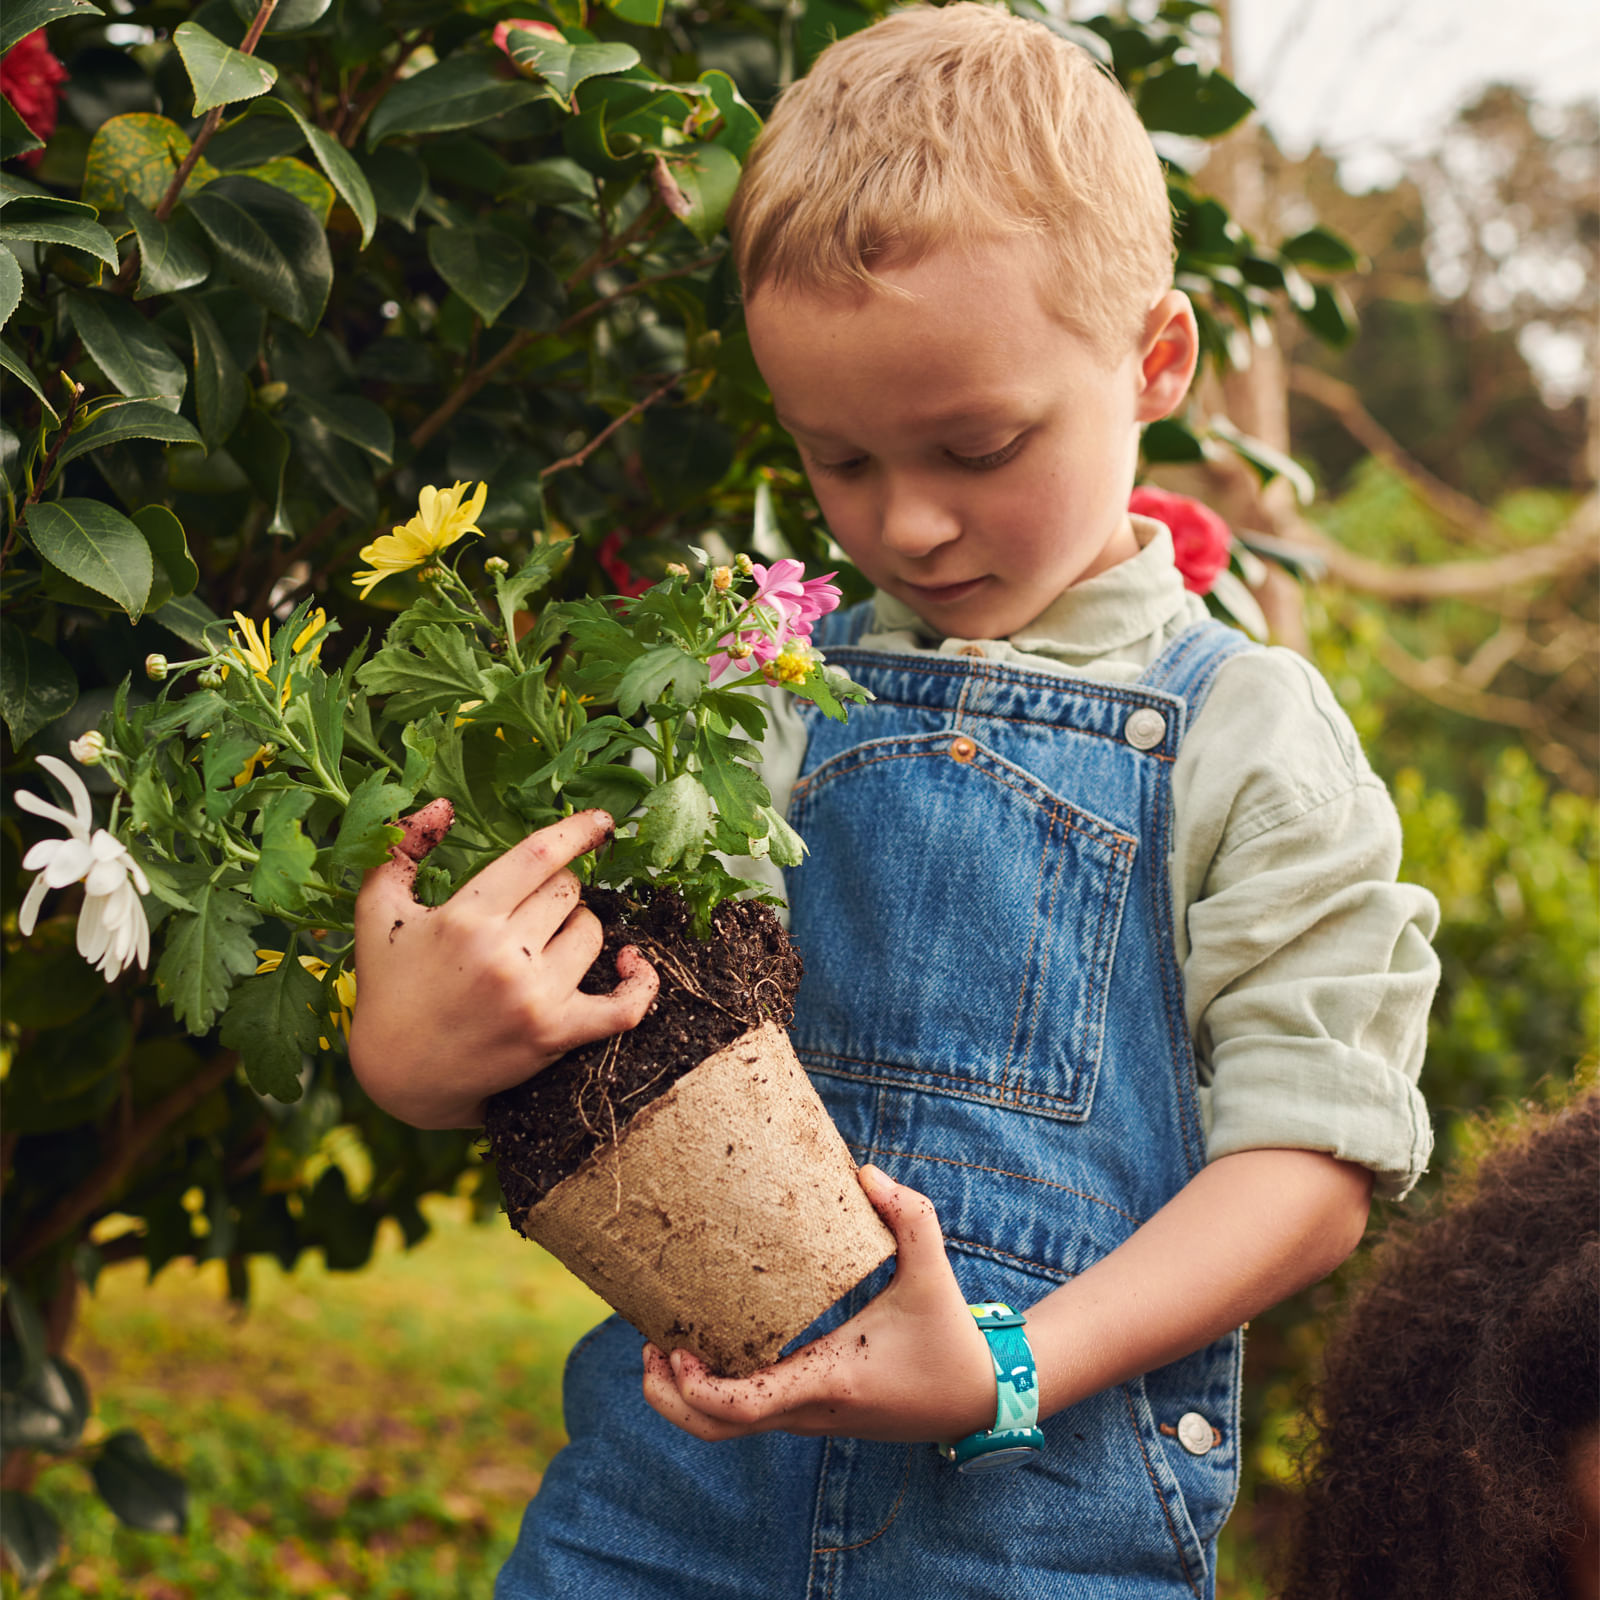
[36, 684]
[254, 138]
[262, 449]
[1268, 462]
[46, 220]
[143, 1494]
[172, 254]
[484, 266]
[283, 874]
[398, 182]
[642, 13]
[10, 286]
[220, 74]
[127, 348]
[738, 791]
[367, 829]
[348, 416]
[564, 66]
[47, 1409]
[1322, 247]
[1330, 316]
[272, 1022]
[138, 419]
[16, 137]
[740, 124]
[445, 670]
[685, 452]
[30, 1535]
[708, 175]
[1187, 99]
[23, 17]
[1166, 440]
[207, 951]
[661, 673]
[175, 571]
[343, 1227]
[337, 467]
[676, 820]
[218, 382]
[339, 166]
[589, 144]
[270, 243]
[18, 368]
[290, 17]
[97, 546]
[458, 92]
[188, 619]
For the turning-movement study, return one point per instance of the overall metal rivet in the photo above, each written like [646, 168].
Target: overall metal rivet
[963, 749]
[970, 650]
[1196, 1435]
[1145, 729]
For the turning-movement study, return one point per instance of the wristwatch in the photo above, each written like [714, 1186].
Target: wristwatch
[1015, 1437]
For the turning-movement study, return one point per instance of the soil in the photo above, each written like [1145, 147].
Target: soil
[712, 991]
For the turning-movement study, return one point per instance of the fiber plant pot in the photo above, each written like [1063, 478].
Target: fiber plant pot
[726, 1216]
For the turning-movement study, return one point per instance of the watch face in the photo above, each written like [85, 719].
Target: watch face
[999, 1460]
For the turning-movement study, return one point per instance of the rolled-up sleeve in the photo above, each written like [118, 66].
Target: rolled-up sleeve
[1309, 969]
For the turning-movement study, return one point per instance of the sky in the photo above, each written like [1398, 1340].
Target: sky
[1372, 80]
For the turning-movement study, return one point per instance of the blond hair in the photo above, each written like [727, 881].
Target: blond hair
[947, 127]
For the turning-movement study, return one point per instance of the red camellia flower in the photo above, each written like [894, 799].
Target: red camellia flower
[1200, 538]
[528, 25]
[29, 79]
[622, 576]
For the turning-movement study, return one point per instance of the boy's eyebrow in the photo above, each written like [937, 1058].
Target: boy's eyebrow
[955, 416]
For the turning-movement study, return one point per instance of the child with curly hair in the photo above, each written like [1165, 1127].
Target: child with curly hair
[1457, 1425]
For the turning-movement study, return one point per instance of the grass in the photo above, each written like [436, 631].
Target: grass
[366, 1436]
[371, 1436]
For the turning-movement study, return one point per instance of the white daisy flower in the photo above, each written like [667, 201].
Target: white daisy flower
[112, 929]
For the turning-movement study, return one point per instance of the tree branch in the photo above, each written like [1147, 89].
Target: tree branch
[578, 457]
[107, 1178]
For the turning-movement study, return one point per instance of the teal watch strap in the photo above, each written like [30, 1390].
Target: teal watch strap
[1015, 1437]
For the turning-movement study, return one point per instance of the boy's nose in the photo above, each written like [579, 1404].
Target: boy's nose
[915, 524]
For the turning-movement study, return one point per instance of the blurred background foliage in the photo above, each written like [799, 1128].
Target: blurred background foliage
[419, 264]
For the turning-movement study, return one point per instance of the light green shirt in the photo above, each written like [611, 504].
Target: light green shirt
[1307, 969]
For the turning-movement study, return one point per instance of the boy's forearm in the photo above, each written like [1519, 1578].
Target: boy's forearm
[1245, 1233]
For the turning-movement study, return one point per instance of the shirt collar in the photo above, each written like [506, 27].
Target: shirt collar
[1115, 608]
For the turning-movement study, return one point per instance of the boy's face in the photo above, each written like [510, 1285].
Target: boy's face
[970, 454]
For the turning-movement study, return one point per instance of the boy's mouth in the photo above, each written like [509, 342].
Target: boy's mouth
[943, 594]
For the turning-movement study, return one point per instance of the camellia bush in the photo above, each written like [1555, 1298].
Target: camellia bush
[268, 273]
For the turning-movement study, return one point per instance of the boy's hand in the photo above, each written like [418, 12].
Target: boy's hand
[911, 1366]
[459, 1001]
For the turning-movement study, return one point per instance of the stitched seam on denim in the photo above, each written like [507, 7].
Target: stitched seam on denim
[1167, 667]
[1004, 1172]
[1055, 1275]
[1056, 682]
[816, 1519]
[1042, 983]
[894, 1511]
[1027, 964]
[1030, 722]
[907, 1076]
[1099, 935]
[1155, 1483]
[1055, 808]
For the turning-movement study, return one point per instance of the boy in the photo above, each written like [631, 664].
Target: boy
[1108, 977]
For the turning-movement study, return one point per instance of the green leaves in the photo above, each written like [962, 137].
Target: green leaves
[677, 817]
[207, 950]
[218, 382]
[1187, 99]
[664, 672]
[127, 348]
[172, 255]
[30, 1535]
[97, 546]
[564, 66]
[338, 164]
[708, 175]
[283, 871]
[459, 92]
[272, 1022]
[46, 220]
[218, 73]
[23, 17]
[10, 286]
[270, 244]
[485, 267]
[136, 156]
[137, 419]
[144, 1494]
[36, 684]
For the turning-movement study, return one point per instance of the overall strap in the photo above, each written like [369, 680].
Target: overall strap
[1189, 665]
[841, 629]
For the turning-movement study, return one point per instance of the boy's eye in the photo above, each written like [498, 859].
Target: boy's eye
[995, 458]
[838, 469]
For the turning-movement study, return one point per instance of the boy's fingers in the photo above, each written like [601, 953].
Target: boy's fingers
[505, 883]
[601, 1015]
[426, 827]
[910, 1216]
[386, 891]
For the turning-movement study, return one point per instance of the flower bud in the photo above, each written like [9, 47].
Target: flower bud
[745, 565]
[676, 569]
[268, 752]
[430, 574]
[88, 750]
[722, 577]
[155, 667]
[272, 395]
[210, 679]
[740, 651]
[497, 566]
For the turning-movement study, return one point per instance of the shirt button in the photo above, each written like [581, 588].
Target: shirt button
[970, 650]
[1145, 729]
[962, 749]
[1195, 1434]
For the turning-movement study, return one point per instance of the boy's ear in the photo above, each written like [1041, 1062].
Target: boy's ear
[1169, 353]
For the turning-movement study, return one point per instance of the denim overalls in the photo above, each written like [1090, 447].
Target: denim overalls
[992, 1010]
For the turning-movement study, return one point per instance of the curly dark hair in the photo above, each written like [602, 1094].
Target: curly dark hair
[1457, 1384]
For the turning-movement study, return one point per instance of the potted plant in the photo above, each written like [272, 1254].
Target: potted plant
[263, 778]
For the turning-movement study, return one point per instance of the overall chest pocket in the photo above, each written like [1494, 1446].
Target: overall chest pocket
[958, 922]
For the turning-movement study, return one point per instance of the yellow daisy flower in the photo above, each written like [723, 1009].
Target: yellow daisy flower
[256, 651]
[262, 758]
[441, 519]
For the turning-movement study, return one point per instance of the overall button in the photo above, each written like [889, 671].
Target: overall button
[1195, 1434]
[1145, 729]
[970, 650]
[962, 749]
